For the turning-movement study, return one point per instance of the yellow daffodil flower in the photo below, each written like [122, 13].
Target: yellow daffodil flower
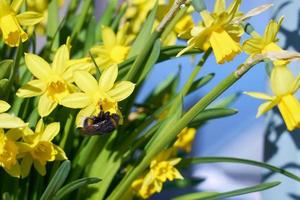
[40, 6]
[283, 85]
[161, 169]
[37, 148]
[137, 13]
[10, 22]
[7, 120]
[185, 139]
[8, 153]
[218, 32]
[184, 24]
[105, 93]
[53, 82]
[266, 43]
[114, 49]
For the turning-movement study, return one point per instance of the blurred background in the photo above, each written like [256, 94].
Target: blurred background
[242, 135]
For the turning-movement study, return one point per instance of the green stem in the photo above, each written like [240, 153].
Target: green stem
[66, 134]
[170, 133]
[195, 72]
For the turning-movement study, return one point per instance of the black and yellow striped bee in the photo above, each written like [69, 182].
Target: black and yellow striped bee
[102, 124]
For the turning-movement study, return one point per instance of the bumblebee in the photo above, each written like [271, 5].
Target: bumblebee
[102, 124]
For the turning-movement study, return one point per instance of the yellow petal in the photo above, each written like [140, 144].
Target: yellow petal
[60, 153]
[38, 66]
[86, 82]
[76, 100]
[46, 105]
[84, 64]
[39, 167]
[12, 32]
[16, 5]
[224, 47]
[9, 121]
[207, 18]
[108, 37]
[259, 95]
[263, 108]
[4, 106]
[30, 18]
[26, 166]
[289, 108]
[32, 88]
[220, 6]
[60, 59]
[253, 46]
[281, 80]
[14, 134]
[271, 31]
[121, 90]
[14, 171]
[50, 132]
[40, 126]
[108, 78]
[84, 113]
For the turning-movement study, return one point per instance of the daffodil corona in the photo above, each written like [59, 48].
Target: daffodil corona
[283, 85]
[218, 32]
[10, 22]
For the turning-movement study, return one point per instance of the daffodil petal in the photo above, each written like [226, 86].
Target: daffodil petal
[38, 66]
[60, 59]
[39, 167]
[32, 88]
[220, 6]
[26, 165]
[10, 121]
[85, 81]
[109, 37]
[4, 106]
[108, 78]
[50, 132]
[263, 108]
[121, 90]
[29, 18]
[46, 105]
[84, 64]
[84, 113]
[60, 153]
[76, 100]
[259, 95]
[14, 134]
[14, 171]
[16, 5]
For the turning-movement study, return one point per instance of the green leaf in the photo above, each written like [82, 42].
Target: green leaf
[201, 82]
[6, 196]
[3, 87]
[57, 180]
[186, 182]
[144, 34]
[204, 160]
[211, 113]
[5, 68]
[90, 35]
[70, 187]
[153, 57]
[81, 18]
[226, 101]
[233, 193]
[52, 24]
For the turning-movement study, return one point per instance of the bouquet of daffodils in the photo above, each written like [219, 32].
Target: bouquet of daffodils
[70, 125]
